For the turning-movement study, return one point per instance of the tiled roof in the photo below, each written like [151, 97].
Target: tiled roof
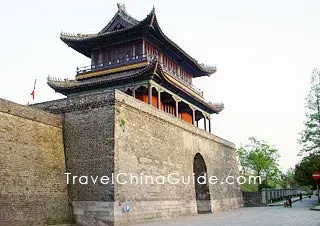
[145, 73]
[150, 22]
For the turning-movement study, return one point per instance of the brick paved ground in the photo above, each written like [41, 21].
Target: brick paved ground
[299, 215]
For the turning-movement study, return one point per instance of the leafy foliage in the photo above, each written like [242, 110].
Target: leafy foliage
[310, 136]
[258, 158]
[287, 179]
[249, 187]
[304, 170]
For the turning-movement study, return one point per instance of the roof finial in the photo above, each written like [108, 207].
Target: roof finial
[121, 7]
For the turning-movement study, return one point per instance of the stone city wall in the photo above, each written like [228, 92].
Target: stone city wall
[110, 132]
[152, 142]
[32, 166]
[89, 145]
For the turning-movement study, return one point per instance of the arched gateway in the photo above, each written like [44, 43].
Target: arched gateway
[201, 185]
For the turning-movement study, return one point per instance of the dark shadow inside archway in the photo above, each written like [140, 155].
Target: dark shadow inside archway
[201, 185]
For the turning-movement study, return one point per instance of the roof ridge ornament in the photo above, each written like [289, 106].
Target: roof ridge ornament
[121, 7]
[218, 107]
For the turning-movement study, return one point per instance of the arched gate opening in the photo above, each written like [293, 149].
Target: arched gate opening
[201, 185]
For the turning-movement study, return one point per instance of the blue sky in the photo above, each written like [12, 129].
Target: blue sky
[264, 51]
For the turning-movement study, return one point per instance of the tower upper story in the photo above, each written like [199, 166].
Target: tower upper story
[132, 56]
[125, 39]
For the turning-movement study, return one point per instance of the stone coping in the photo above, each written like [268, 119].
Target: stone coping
[124, 99]
[316, 207]
[27, 112]
[107, 97]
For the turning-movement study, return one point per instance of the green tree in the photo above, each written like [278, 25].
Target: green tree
[310, 136]
[242, 155]
[287, 179]
[304, 169]
[258, 158]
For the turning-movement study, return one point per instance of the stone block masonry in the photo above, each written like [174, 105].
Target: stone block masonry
[110, 132]
[152, 142]
[32, 166]
[89, 145]
[252, 198]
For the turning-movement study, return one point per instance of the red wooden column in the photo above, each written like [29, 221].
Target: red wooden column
[133, 51]
[150, 93]
[143, 47]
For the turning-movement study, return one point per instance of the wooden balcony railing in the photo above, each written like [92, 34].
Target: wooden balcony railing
[132, 60]
[111, 64]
